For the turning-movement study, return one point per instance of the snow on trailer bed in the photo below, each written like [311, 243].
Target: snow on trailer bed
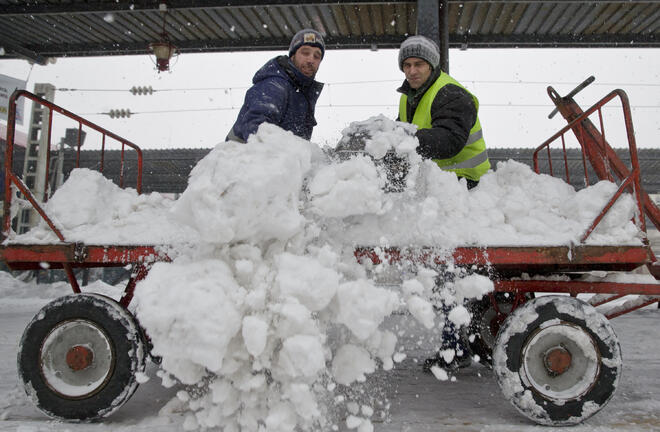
[256, 302]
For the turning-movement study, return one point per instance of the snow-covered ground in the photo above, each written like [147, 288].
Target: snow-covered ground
[417, 400]
[265, 307]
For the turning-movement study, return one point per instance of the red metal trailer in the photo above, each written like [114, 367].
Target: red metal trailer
[556, 358]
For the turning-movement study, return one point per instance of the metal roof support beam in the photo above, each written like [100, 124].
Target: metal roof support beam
[28, 54]
[37, 8]
[428, 19]
[444, 35]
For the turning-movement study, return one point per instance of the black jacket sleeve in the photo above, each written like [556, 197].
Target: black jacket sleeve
[453, 114]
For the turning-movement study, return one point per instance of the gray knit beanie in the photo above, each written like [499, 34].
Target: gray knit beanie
[306, 37]
[420, 47]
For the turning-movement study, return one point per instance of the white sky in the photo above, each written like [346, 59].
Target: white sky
[203, 92]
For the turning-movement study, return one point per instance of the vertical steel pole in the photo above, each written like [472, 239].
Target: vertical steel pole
[444, 35]
[433, 22]
[428, 21]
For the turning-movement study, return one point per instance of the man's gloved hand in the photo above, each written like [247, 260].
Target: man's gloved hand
[396, 168]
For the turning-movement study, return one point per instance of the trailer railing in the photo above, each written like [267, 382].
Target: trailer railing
[13, 180]
[598, 158]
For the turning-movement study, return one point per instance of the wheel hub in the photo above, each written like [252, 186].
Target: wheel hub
[560, 361]
[76, 359]
[557, 360]
[79, 357]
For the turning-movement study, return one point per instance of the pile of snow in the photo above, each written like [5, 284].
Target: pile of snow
[264, 312]
[240, 193]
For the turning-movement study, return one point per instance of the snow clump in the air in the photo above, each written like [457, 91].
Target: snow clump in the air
[264, 312]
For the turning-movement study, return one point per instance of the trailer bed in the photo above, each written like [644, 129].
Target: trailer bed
[499, 260]
[511, 260]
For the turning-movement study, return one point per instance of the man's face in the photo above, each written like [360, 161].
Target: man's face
[307, 59]
[417, 71]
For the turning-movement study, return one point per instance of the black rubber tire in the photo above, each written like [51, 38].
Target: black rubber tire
[520, 360]
[484, 325]
[89, 320]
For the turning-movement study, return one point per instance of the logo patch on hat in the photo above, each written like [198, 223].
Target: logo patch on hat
[309, 38]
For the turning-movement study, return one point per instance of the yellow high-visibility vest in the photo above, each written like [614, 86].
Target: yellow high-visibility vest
[471, 162]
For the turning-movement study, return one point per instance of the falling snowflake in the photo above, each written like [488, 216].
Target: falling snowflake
[109, 18]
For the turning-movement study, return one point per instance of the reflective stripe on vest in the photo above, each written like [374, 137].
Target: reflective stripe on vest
[472, 161]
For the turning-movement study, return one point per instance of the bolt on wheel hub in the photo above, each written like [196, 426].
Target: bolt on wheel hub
[79, 358]
[557, 360]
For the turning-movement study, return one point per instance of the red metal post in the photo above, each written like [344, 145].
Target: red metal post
[44, 198]
[102, 152]
[576, 287]
[139, 272]
[632, 308]
[72, 278]
[9, 162]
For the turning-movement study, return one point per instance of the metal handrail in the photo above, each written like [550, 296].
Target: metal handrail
[601, 155]
[11, 179]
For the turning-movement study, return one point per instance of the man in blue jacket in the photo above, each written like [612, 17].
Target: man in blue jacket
[284, 91]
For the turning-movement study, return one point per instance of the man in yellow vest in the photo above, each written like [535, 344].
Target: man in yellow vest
[445, 113]
[449, 133]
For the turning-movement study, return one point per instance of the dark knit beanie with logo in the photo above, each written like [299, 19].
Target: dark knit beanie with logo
[307, 37]
[420, 47]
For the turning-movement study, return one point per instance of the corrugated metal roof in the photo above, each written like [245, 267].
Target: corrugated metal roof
[53, 28]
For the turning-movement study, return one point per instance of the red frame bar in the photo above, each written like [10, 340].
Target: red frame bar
[30, 197]
[606, 300]
[630, 309]
[550, 259]
[33, 256]
[576, 287]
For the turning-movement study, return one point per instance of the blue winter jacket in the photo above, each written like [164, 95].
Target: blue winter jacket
[280, 95]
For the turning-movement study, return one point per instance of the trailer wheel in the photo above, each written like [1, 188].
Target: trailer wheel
[486, 322]
[557, 360]
[79, 355]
